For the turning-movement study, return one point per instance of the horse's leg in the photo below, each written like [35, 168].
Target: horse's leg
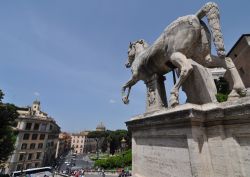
[128, 85]
[181, 62]
[227, 63]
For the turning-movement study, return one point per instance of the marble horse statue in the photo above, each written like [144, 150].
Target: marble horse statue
[186, 38]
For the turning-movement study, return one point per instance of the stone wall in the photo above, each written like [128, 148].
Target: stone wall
[193, 140]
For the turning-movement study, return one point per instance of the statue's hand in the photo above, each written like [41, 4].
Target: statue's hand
[125, 99]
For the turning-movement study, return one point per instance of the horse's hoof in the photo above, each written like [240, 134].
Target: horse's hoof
[242, 92]
[237, 93]
[173, 102]
[125, 100]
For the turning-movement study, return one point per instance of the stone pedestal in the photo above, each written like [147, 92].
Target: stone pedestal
[156, 94]
[210, 140]
[199, 86]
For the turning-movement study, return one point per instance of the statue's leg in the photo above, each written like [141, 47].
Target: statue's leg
[181, 62]
[128, 85]
[227, 63]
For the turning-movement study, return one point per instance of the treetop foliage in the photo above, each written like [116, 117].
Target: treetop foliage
[8, 114]
[113, 138]
[222, 89]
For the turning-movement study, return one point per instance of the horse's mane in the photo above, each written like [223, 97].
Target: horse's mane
[141, 41]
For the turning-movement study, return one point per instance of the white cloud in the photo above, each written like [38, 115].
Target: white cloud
[112, 101]
[36, 93]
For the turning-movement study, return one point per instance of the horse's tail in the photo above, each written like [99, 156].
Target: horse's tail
[211, 11]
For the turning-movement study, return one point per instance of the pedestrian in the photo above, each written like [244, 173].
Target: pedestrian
[82, 173]
[122, 174]
[77, 174]
[103, 173]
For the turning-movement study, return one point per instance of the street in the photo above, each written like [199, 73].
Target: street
[91, 175]
[72, 162]
[79, 161]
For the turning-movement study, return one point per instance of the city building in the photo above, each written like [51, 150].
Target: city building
[90, 145]
[240, 54]
[80, 143]
[36, 140]
[77, 142]
[64, 144]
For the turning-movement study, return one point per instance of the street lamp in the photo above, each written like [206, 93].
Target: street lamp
[23, 160]
[97, 148]
[123, 144]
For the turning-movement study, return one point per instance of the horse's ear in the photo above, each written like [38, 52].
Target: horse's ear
[141, 41]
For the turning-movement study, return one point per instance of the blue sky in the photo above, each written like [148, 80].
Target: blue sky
[70, 55]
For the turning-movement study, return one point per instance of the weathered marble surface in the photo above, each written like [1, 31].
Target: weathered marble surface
[156, 94]
[210, 140]
[199, 86]
[187, 37]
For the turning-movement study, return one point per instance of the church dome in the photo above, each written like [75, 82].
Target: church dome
[100, 127]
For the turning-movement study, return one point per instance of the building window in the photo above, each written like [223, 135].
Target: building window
[43, 127]
[73, 141]
[38, 154]
[50, 127]
[21, 157]
[26, 136]
[76, 146]
[19, 167]
[82, 141]
[36, 126]
[81, 146]
[36, 165]
[77, 141]
[32, 146]
[28, 165]
[42, 136]
[24, 146]
[34, 137]
[48, 144]
[28, 126]
[40, 145]
[29, 156]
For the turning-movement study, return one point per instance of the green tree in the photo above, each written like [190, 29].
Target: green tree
[222, 89]
[117, 161]
[8, 114]
[113, 138]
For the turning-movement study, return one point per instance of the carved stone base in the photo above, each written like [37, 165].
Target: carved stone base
[212, 140]
[156, 94]
[199, 86]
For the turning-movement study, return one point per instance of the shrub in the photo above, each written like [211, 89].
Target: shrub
[118, 161]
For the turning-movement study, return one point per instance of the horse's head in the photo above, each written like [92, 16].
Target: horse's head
[134, 49]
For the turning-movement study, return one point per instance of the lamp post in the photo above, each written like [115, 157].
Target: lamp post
[123, 144]
[123, 147]
[23, 160]
[97, 148]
